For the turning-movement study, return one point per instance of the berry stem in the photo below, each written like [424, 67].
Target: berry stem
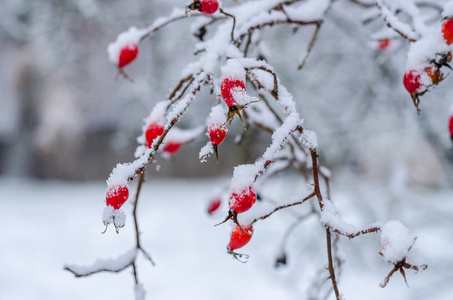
[141, 179]
[234, 22]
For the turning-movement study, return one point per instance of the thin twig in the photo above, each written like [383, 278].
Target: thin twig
[285, 206]
[310, 46]
[314, 157]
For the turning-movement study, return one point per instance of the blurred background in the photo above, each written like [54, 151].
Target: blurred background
[67, 118]
[66, 113]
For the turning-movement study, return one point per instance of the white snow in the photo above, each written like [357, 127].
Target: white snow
[218, 116]
[424, 50]
[107, 264]
[448, 10]
[396, 241]
[58, 237]
[309, 139]
[243, 177]
[205, 152]
[233, 70]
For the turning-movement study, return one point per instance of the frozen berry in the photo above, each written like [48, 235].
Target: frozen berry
[214, 205]
[154, 130]
[240, 237]
[227, 87]
[207, 7]
[127, 55]
[384, 44]
[217, 134]
[172, 147]
[412, 82]
[242, 201]
[447, 31]
[116, 196]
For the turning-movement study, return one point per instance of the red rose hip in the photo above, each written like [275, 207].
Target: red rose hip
[242, 201]
[207, 7]
[447, 31]
[217, 134]
[172, 147]
[116, 196]
[240, 237]
[228, 86]
[214, 205]
[127, 55]
[411, 81]
[154, 130]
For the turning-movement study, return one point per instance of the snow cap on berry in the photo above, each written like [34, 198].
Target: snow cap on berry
[233, 70]
[396, 241]
[423, 51]
[157, 114]
[218, 116]
[243, 177]
[124, 39]
[448, 10]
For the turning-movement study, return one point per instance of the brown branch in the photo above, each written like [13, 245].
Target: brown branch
[134, 215]
[285, 206]
[310, 46]
[79, 275]
[314, 159]
[179, 86]
[275, 22]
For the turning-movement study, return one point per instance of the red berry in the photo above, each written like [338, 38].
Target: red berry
[226, 88]
[239, 238]
[411, 81]
[208, 7]
[153, 131]
[217, 134]
[116, 196]
[127, 55]
[172, 147]
[214, 205]
[384, 44]
[243, 201]
[447, 31]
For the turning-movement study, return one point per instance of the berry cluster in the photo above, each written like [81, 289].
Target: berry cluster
[417, 81]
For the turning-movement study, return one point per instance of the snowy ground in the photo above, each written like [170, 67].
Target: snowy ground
[46, 225]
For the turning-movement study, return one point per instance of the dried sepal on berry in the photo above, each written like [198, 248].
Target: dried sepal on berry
[113, 216]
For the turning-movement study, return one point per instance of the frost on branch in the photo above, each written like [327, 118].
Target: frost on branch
[105, 265]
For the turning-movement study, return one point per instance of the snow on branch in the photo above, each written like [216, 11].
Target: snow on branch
[105, 265]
